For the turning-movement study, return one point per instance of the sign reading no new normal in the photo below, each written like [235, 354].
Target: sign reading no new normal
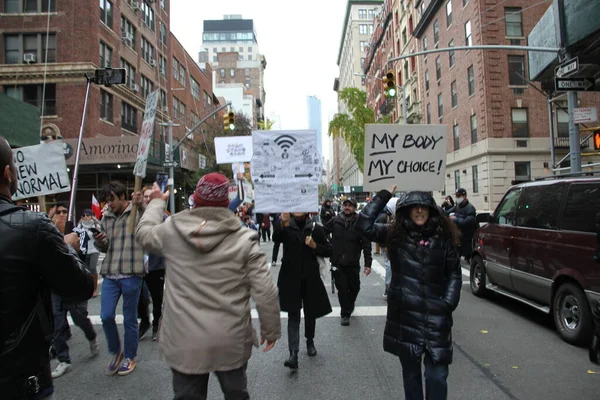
[412, 157]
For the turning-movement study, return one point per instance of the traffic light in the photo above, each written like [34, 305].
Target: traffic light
[229, 121]
[389, 84]
[596, 138]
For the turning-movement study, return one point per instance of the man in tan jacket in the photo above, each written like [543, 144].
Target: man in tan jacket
[213, 267]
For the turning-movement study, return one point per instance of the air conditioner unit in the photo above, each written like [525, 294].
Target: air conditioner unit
[152, 63]
[29, 58]
[135, 87]
[135, 5]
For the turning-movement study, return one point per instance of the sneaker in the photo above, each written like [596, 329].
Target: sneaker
[127, 367]
[113, 367]
[144, 326]
[95, 347]
[61, 369]
[274, 264]
[154, 334]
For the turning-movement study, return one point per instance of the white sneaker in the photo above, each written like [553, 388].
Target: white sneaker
[61, 369]
[95, 347]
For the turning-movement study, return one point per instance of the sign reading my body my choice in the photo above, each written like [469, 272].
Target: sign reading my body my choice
[412, 157]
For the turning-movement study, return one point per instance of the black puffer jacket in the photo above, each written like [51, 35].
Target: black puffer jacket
[34, 260]
[346, 244]
[425, 287]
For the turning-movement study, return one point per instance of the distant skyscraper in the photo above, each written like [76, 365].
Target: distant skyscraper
[314, 120]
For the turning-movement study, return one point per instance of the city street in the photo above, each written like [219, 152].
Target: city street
[502, 350]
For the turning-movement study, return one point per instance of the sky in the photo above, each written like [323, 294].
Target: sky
[300, 41]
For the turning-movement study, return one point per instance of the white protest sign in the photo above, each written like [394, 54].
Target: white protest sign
[233, 149]
[286, 170]
[41, 170]
[412, 157]
[248, 192]
[146, 135]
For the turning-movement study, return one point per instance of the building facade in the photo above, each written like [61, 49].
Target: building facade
[356, 35]
[497, 123]
[313, 105]
[45, 65]
[230, 45]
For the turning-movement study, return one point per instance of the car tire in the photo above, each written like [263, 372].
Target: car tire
[477, 277]
[572, 315]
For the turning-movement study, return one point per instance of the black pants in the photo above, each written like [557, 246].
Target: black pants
[275, 251]
[310, 325]
[79, 313]
[144, 305]
[347, 282]
[266, 233]
[155, 280]
[195, 387]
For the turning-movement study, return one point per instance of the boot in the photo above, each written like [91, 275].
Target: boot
[292, 362]
[310, 347]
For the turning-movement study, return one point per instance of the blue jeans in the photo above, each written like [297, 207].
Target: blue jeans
[388, 269]
[436, 387]
[112, 289]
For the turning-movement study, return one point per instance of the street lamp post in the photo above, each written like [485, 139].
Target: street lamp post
[404, 117]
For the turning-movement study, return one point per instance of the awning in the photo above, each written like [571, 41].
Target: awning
[19, 122]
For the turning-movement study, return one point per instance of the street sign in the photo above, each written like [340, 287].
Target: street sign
[581, 115]
[110, 76]
[567, 68]
[575, 84]
[173, 164]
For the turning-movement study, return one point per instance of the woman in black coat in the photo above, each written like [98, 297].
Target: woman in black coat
[425, 288]
[299, 282]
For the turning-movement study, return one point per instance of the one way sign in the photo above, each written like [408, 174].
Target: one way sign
[575, 84]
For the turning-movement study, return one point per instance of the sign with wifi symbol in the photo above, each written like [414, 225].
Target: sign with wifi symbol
[285, 141]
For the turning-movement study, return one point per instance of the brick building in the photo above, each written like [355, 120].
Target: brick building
[134, 35]
[498, 128]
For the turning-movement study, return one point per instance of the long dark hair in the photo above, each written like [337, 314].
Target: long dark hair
[437, 224]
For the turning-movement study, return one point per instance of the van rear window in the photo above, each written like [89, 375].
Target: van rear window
[583, 204]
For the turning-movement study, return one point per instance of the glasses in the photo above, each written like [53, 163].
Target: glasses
[64, 212]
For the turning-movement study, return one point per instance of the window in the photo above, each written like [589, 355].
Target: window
[29, 6]
[175, 69]
[105, 55]
[249, 49]
[425, 46]
[106, 15]
[147, 51]
[468, 39]
[163, 33]
[514, 23]
[17, 46]
[471, 76]
[538, 206]
[175, 108]
[440, 106]
[163, 4]
[451, 59]
[371, 29]
[163, 100]
[436, 32]
[362, 61]
[581, 208]
[516, 71]
[232, 72]
[449, 13]
[427, 80]
[128, 117]
[195, 86]
[438, 68]
[456, 179]
[363, 46]
[522, 171]
[362, 14]
[147, 86]
[475, 174]
[506, 212]
[562, 122]
[106, 106]
[454, 94]
[249, 57]
[371, 14]
[148, 14]
[428, 113]
[473, 129]
[182, 75]
[456, 136]
[404, 37]
[222, 72]
[127, 32]
[207, 99]
[129, 73]
[182, 113]
[520, 125]
[362, 29]
[32, 94]
[163, 66]
[246, 72]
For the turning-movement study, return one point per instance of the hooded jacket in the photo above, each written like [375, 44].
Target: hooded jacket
[213, 267]
[425, 286]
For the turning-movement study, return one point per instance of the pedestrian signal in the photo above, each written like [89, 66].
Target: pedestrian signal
[389, 84]
[597, 140]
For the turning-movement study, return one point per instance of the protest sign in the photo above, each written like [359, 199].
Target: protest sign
[286, 170]
[146, 135]
[41, 170]
[233, 149]
[248, 192]
[412, 157]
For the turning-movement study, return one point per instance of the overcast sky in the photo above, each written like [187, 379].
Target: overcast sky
[300, 41]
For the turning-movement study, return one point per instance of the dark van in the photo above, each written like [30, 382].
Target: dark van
[540, 247]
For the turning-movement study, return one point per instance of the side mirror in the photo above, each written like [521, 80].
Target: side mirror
[483, 218]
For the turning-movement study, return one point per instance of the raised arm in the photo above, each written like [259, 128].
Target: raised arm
[365, 224]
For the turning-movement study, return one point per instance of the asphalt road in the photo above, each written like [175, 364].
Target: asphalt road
[502, 350]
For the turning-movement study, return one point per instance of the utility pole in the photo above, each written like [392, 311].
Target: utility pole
[170, 162]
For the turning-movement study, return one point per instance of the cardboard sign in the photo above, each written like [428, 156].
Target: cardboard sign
[412, 157]
[146, 135]
[41, 170]
[286, 170]
[233, 149]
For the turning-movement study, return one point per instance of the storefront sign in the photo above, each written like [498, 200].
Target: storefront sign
[105, 150]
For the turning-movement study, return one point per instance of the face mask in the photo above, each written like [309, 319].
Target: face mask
[459, 200]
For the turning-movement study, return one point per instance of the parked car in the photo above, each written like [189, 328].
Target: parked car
[541, 246]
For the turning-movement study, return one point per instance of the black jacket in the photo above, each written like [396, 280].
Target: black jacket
[299, 267]
[465, 219]
[346, 244]
[327, 213]
[34, 260]
[425, 287]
